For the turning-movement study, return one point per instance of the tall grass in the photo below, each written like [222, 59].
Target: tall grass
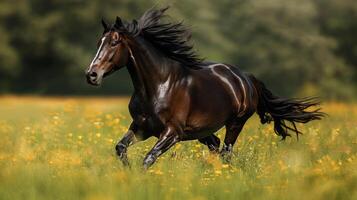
[53, 148]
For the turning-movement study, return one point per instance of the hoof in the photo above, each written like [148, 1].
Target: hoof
[120, 149]
[121, 152]
[226, 153]
[148, 161]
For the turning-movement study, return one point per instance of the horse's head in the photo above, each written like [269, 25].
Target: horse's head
[112, 54]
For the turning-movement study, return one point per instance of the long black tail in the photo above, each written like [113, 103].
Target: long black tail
[283, 110]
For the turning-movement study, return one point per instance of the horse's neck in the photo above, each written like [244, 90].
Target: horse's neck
[148, 69]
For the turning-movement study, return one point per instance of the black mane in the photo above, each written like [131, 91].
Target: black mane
[171, 38]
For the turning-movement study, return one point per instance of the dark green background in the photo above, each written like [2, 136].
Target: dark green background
[298, 47]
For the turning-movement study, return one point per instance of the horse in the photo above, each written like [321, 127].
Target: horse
[179, 96]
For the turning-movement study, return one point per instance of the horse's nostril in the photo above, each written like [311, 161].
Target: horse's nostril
[93, 74]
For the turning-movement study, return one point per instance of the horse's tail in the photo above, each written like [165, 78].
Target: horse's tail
[283, 110]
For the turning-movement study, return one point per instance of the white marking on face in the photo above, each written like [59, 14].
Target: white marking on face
[226, 81]
[97, 54]
[163, 88]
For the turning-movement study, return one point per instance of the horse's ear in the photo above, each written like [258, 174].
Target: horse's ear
[105, 25]
[118, 22]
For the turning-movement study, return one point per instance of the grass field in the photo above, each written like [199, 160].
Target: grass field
[53, 148]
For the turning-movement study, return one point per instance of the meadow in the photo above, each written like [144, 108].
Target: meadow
[63, 148]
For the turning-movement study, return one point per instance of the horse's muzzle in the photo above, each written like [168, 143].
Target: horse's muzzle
[92, 78]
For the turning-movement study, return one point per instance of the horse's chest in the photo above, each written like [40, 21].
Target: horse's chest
[145, 118]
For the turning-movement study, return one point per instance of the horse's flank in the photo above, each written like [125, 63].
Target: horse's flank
[178, 96]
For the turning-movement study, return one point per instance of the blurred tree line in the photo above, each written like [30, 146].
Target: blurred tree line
[298, 47]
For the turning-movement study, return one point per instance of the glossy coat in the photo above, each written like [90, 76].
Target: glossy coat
[179, 97]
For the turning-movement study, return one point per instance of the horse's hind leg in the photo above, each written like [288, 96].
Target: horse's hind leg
[233, 129]
[212, 143]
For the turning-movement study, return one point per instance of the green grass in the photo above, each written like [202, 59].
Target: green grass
[53, 148]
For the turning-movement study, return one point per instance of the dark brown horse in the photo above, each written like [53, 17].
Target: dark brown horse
[178, 96]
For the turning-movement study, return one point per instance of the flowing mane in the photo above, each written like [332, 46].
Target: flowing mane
[174, 103]
[169, 37]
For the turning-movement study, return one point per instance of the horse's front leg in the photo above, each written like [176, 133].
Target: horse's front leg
[167, 139]
[122, 146]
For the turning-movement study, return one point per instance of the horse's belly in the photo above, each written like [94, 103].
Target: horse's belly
[191, 133]
[205, 120]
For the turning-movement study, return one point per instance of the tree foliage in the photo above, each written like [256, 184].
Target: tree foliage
[297, 46]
